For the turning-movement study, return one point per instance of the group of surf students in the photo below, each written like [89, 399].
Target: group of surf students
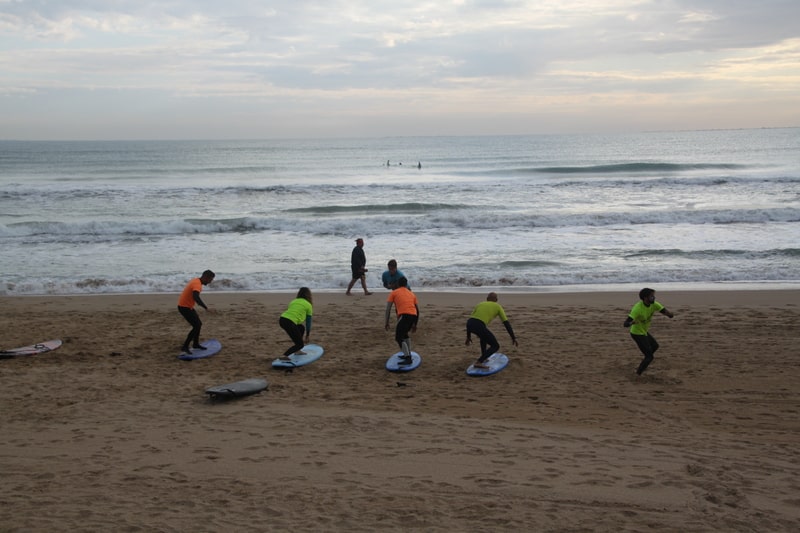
[296, 320]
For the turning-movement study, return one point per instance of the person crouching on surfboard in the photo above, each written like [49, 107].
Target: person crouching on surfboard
[407, 308]
[478, 323]
[189, 297]
[299, 311]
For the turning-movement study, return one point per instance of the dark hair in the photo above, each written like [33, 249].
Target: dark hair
[644, 293]
[392, 263]
[305, 293]
[208, 274]
[402, 282]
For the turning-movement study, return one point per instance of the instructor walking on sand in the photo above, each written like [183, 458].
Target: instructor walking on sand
[358, 266]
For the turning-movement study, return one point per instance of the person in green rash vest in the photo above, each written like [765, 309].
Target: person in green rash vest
[639, 321]
[478, 323]
[299, 311]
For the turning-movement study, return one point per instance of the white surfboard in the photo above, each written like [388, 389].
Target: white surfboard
[312, 353]
[393, 363]
[236, 389]
[33, 349]
[496, 362]
[212, 347]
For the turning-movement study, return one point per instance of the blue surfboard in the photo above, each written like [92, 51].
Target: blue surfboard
[496, 363]
[312, 353]
[212, 346]
[393, 364]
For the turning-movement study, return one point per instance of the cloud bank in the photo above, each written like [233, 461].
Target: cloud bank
[247, 69]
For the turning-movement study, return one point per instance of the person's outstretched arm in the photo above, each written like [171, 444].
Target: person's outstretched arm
[510, 331]
[388, 313]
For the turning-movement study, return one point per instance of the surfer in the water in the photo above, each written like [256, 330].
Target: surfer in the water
[188, 299]
[407, 309]
[299, 311]
[478, 323]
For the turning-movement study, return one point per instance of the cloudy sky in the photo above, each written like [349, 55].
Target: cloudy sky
[187, 69]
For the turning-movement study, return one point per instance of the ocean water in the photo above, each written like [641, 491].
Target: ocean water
[519, 213]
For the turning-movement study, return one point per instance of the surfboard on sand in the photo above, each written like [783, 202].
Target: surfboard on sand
[496, 362]
[213, 346]
[312, 353]
[33, 349]
[393, 363]
[237, 389]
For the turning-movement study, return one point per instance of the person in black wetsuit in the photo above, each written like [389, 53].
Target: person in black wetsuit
[358, 263]
[478, 323]
[292, 321]
[407, 307]
[639, 321]
[190, 296]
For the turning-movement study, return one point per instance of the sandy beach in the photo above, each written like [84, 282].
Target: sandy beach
[111, 432]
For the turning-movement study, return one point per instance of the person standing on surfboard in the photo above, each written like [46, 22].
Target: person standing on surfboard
[189, 297]
[299, 311]
[639, 321]
[358, 263]
[478, 323]
[407, 308]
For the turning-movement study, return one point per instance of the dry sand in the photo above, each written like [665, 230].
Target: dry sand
[112, 432]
